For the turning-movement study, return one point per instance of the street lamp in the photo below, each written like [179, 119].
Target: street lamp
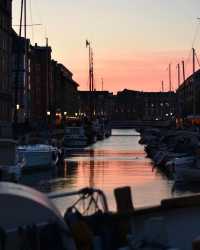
[17, 107]
[48, 113]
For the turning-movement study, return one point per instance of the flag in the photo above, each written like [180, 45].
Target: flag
[87, 43]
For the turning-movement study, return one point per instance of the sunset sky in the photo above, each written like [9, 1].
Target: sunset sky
[133, 40]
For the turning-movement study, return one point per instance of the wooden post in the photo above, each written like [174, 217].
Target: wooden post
[123, 199]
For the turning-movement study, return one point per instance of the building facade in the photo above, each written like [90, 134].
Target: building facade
[21, 78]
[64, 98]
[136, 105]
[5, 62]
[96, 103]
[40, 84]
[188, 95]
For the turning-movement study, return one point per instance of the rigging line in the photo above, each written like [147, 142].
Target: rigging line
[31, 19]
[21, 17]
[38, 11]
[188, 58]
[193, 43]
[197, 59]
[195, 35]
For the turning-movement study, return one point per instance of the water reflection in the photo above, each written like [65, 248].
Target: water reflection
[117, 161]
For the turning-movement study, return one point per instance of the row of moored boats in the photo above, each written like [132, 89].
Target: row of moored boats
[31, 157]
[175, 152]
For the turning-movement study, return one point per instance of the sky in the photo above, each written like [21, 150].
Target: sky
[133, 40]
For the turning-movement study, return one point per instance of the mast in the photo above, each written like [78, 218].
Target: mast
[102, 84]
[91, 78]
[21, 16]
[17, 107]
[183, 68]
[170, 78]
[179, 77]
[26, 64]
[184, 94]
[193, 59]
[162, 86]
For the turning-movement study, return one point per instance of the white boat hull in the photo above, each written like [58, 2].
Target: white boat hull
[37, 157]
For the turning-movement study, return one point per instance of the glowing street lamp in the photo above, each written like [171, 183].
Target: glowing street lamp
[48, 113]
[17, 106]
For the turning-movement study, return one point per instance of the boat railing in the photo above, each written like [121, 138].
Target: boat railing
[95, 195]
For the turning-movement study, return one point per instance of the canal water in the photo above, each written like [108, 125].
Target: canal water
[114, 162]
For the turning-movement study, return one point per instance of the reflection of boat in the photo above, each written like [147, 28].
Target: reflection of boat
[173, 224]
[37, 156]
[75, 137]
[52, 185]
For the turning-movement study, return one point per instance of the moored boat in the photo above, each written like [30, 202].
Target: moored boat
[174, 224]
[38, 156]
[188, 172]
[75, 137]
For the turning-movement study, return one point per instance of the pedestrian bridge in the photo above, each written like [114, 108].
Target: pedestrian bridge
[139, 124]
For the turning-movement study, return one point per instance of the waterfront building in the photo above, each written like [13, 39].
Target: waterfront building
[40, 84]
[136, 105]
[5, 68]
[188, 95]
[21, 78]
[100, 103]
[64, 99]
[128, 105]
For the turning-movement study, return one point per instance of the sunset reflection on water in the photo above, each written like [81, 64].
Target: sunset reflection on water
[115, 162]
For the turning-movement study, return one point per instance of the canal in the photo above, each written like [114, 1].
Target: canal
[114, 162]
